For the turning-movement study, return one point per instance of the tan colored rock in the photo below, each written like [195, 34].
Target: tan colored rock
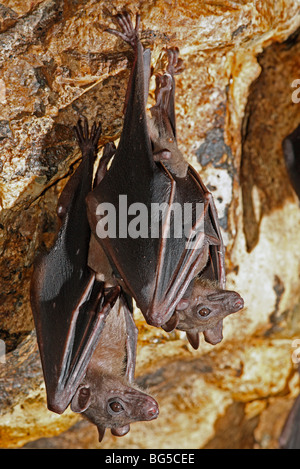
[234, 107]
[22, 392]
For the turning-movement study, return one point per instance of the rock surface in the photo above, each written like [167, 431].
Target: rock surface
[234, 107]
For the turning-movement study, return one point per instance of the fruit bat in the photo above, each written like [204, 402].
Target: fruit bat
[202, 309]
[106, 395]
[290, 434]
[157, 254]
[85, 330]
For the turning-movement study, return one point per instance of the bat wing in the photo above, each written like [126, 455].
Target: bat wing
[182, 250]
[131, 337]
[150, 259]
[215, 268]
[67, 335]
[68, 303]
[158, 266]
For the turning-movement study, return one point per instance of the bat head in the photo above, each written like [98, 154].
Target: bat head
[109, 402]
[203, 309]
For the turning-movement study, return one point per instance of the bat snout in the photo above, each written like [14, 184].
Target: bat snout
[237, 303]
[152, 413]
[151, 410]
[142, 406]
[231, 300]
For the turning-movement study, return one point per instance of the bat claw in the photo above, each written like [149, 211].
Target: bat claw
[175, 63]
[111, 297]
[87, 141]
[128, 33]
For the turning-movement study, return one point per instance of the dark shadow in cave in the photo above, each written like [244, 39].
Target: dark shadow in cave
[270, 116]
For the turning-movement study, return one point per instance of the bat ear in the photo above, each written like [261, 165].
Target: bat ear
[120, 431]
[183, 304]
[193, 338]
[214, 336]
[101, 431]
[81, 399]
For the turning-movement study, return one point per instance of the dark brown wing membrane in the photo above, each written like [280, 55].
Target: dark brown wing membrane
[215, 268]
[156, 265]
[68, 303]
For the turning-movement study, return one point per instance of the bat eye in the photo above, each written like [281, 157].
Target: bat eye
[116, 407]
[204, 312]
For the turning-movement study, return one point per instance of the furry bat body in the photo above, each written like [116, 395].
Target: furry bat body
[150, 170]
[76, 311]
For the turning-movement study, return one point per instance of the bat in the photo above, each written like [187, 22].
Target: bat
[106, 395]
[134, 211]
[291, 151]
[79, 315]
[202, 310]
[161, 126]
[290, 434]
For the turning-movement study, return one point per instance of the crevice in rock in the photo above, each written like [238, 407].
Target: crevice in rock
[269, 117]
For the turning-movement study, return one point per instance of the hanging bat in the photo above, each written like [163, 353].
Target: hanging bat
[106, 395]
[79, 315]
[202, 309]
[157, 265]
[290, 434]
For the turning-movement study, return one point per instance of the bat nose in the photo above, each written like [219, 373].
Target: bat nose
[152, 410]
[238, 303]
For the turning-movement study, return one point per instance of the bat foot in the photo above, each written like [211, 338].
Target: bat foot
[128, 33]
[162, 90]
[87, 140]
[175, 63]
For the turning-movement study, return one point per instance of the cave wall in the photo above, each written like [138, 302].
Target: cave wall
[234, 107]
